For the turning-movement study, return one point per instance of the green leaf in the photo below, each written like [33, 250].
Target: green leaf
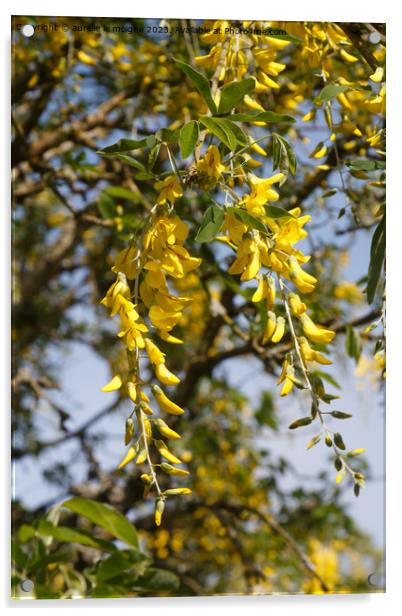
[117, 563]
[265, 414]
[329, 92]
[274, 211]
[338, 463]
[328, 378]
[220, 129]
[124, 145]
[153, 156]
[119, 192]
[106, 517]
[327, 398]
[303, 421]
[26, 533]
[248, 219]
[18, 555]
[233, 93]
[167, 135]
[353, 343]
[269, 117]
[200, 82]
[106, 206]
[129, 160]
[237, 131]
[188, 138]
[158, 580]
[377, 257]
[340, 415]
[131, 222]
[338, 440]
[71, 535]
[362, 165]
[283, 155]
[211, 224]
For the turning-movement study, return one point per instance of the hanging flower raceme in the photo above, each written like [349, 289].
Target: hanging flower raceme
[160, 253]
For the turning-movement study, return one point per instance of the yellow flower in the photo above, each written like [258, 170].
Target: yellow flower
[285, 377]
[114, 384]
[319, 152]
[164, 403]
[378, 75]
[248, 261]
[349, 292]
[296, 305]
[261, 193]
[166, 453]
[129, 457]
[132, 330]
[170, 190]
[279, 330]
[163, 320]
[165, 376]
[211, 163]
[171, 470]
[210, 60]
[347, 56]
[86, 58]
[310, 354]
[165, 430]
[159, 509]
[314, 332]
[269, 327]
[126, 262]
[155, 355]
[261, 291]
[303, 281]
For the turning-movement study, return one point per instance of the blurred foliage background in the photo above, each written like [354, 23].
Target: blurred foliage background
[76, 90]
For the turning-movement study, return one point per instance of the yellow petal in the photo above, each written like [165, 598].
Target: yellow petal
[279, 330]
[130, 455]
[165, 376]
[378, 75]
[114, 384]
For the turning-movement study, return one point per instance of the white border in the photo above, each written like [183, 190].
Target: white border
[341, 10]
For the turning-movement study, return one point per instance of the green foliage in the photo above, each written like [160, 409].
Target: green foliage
[329, 92]
[233, 93]
[221, 129]
[353, 343]
[211, 224]
[124, 145]
[188, 138]
[200, 82]
[283, 155]
[247, 219]
[377, 258]
[269, 117]
[49, 556]
[106, 517]
[299, 423]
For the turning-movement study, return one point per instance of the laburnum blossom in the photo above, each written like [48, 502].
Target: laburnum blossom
[211, 163]
[248, 261]
[170, 190]
[159, 254]
[287, 377]
[261, 193]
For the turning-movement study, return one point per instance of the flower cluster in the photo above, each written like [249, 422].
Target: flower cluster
[159, 254]
[275, 251]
